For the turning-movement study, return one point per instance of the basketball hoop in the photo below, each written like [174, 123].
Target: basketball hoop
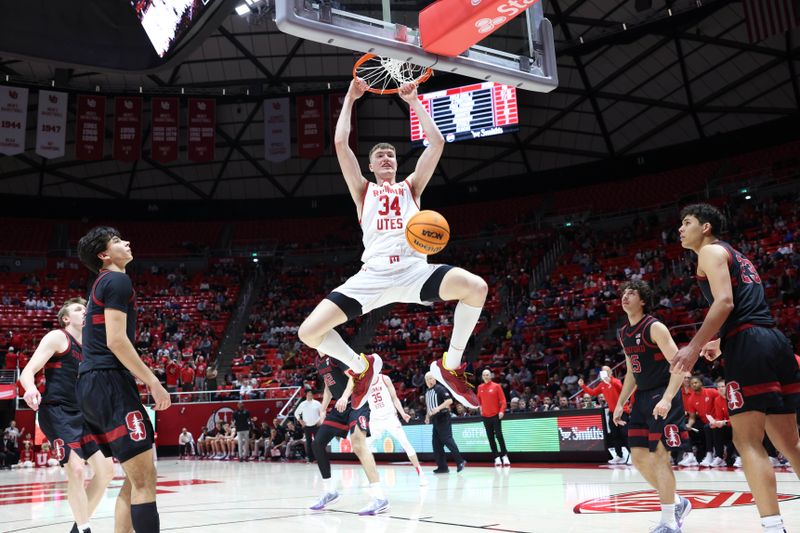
[385, 75]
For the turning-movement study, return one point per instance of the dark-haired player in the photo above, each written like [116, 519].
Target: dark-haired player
[107, 392]
[657, 424]
[59, 353]
[761, 372]
[344, 419]
[392, 271]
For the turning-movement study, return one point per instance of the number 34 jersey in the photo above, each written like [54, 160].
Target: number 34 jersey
[650, 367]
[385, 213]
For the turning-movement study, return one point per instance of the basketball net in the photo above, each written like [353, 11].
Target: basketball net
[385, 75]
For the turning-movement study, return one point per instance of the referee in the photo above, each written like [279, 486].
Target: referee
[438, 401]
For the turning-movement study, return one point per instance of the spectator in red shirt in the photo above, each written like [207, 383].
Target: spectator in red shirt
[700, 403]
[720, 423]
[187, 379]
[173, 374]
[493, 406]
[610, 387]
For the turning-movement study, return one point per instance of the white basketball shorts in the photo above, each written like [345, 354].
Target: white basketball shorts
[394, 428]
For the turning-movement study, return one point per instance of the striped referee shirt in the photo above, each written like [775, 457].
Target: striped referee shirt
[434, 397]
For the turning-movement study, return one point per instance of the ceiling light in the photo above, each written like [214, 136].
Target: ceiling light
[242, 10]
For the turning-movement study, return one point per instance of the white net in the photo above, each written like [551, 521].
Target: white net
[386, 73]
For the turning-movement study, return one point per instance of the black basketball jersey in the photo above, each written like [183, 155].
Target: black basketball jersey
[112, 290]
[650, 367]
[61, 373]
[332, 374]
[749, 303]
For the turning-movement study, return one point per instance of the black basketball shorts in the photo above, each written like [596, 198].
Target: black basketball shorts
[114, 414]
[64, 427]
[761, 372]
[646, 431]
[345, 423]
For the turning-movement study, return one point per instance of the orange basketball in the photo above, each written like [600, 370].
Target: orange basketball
[428, 232]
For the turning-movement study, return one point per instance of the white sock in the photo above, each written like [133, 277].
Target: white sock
[464, 320]
[84, 527]
[376, 490]
[668, 515]
[328, 485]
[677, 499]
[613, 453]
[334, 346]
[772, 524]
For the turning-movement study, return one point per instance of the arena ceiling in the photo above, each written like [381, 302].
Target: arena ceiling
[661, 81]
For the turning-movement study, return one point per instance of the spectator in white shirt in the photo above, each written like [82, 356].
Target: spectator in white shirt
[185, 444]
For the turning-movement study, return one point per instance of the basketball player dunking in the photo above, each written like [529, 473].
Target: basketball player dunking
[59, 353]
[392, 271]
[761, 372]
[657, 417]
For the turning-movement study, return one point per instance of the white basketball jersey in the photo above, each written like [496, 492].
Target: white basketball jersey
[384, 216]
[379, 399]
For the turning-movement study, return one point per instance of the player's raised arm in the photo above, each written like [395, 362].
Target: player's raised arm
[356, 183]
[395, 400]
[426, 164]
[51, 344]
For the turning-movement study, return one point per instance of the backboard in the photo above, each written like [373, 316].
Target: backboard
[532, 70]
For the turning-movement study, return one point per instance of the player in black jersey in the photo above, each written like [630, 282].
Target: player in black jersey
[106, 391]
[657, 423]
[761, 373]
[59, 353]
[344, 419]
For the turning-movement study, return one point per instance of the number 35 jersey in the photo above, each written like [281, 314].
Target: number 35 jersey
[650, 367]
[381, 406]
[749, 304]
[385, 212]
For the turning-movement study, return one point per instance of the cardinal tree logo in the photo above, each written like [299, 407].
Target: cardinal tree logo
[643, 501]
[58, 449]
[487, 25]
[672, 435]
[735, 398]
[134, 421]
[638, 339]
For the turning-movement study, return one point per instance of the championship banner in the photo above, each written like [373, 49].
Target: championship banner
[127, 128]
[277, 130]
[201, 124]
[310, 128]
[90, 127]
[13, 119]
[164, 139]
[51, 128]
[336, 103]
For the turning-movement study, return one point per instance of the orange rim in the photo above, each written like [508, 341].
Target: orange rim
[422, 78]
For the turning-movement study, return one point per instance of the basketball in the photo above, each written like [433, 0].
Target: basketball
[428, 232]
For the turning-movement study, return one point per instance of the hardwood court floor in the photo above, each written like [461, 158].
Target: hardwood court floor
[232, 497]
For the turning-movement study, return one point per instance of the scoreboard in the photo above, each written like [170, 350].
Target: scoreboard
[469, 112]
